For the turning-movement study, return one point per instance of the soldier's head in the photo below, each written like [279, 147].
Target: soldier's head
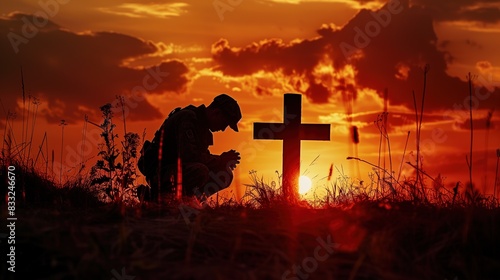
[224, 111]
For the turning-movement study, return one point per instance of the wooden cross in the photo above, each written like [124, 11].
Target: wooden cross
[291, 131]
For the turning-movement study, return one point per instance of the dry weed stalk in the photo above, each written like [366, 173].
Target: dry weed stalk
[495, 194]
[469, 160]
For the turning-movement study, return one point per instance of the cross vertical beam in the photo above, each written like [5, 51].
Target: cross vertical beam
[291, 131]
[291, 145]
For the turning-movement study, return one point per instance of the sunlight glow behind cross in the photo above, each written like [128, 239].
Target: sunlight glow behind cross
[305, 184]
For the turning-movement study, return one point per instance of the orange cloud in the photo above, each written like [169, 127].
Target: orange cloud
[481, 11]
[484, 66]
[137, 10]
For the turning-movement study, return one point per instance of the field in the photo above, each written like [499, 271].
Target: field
[91, 227]
[65, 233]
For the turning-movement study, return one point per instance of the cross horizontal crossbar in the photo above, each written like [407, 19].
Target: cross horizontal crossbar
[276, 131]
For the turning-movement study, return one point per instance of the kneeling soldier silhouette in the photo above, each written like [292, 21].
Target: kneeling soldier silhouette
[183, 140]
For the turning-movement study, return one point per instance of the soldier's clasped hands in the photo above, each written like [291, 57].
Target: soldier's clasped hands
[230, 158]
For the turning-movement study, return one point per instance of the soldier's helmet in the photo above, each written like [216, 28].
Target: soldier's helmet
[230, 108]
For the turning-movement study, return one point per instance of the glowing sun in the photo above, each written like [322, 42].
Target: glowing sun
[305, 184]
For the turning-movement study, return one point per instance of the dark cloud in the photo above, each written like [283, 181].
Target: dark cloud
[76, 73]
[388, 48]
[396, 122]
[483, 11]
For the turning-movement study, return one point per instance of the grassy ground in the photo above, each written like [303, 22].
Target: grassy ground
[399, 230]
[66, 233]
[366, 242]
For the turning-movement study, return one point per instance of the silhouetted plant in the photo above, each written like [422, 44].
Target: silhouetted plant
[496, 175]
[114, 178]
[381, 124]
[261, 194]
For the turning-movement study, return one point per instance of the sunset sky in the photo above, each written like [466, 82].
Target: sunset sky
[340, 54]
